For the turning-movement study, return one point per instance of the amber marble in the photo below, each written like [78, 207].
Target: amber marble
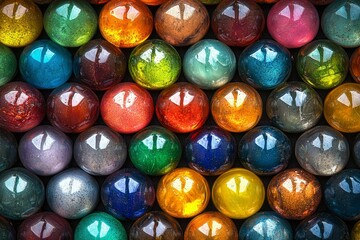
[355, 65]
[294, 194]
[153, 2]
[355, 231]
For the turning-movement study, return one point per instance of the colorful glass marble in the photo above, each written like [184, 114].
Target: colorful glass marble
[293, 23]
[45, 226]
[7, 230]
[154, 2]
[294, 107]
[45, 64]
[238, 193]
[209, 64]
[182, 107]
[100, 226]
[294, 194]
[128, 194]
[70, 23]
[265, 150]
[125, 23]
[22, 107]
[342, 194]
[155, 150]
[100, 151]
[356, 150]
[189, 21]
[322, 226]
[354, 65]
[342, 108]
[155, 225]
[265, 64]
[183, 193]
[355, 232]
[21, 22]
[238, 23]
[72, 108]
[8, 64]
[127, 108]
[266, 226]
[340, 22]
[211, 225]
[8, 149]
[210, 150]
[21, 193]
[154, 64]
[236, 107]
[99, 64]
[322, 151]
[72, 193]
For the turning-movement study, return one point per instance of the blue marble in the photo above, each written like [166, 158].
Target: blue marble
[342, 194]
[45, 64]
[8, 149]
[322, 226]
[356, 150]
[265, 150]
[265, 64]
[209, 64]
[210, 150]
[265, 226]
[128, 194]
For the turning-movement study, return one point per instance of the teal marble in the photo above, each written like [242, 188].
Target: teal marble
[8, 64]
[8, 149]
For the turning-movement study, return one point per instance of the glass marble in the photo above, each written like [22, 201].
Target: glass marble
[294, 107]
[236, 107]
[340, 23]
[21, 22]
[155, 150]
[45, 64]
[8, 149]
[182, 107]
[72, 193]
[8, 64]
[125, 23]
[356, 150]
[354, 65]
[322, 151]
[189, 21]
[21, 193]
[342, 108]
[155, 225]
[322, 226]
[238, 193]
[183, 193]
[154, 64]
[238, 23]
[44, 150]
[265, 64]
[322, 64]
[100, 226]
[355, 232]
[99, 64]
[70, 23]
[127, 108]
[266, 226]
[154, 2]
[72, 107]
[211, 225]
[7, 231]
[100, 151]
[45, 226]
[293, 23]
[342, 194]
[128, 194]
[22, 107]
[294, 194]
[265, 150]
[209, 64]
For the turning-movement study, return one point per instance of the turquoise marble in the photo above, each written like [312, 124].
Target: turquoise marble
[8, 64]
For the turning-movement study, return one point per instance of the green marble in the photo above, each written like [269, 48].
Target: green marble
[154, 64]
[21, 193]
[100, 226]
[322, 64]
[8, 64]
[8, 149]
[70, 23]
[155, 150]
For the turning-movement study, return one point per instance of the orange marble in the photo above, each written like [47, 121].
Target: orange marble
[153, 2]
[355, 65]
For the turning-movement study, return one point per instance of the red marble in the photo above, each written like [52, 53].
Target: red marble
[22, 107]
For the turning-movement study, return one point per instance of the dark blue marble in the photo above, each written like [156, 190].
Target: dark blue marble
[265, 64]
[264, 150]
[128, 194]
[210, 150]
[357, 150]
[322, 226]
[8, 149]
[342, 194]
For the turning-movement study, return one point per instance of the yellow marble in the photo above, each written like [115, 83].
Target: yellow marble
[355, 232]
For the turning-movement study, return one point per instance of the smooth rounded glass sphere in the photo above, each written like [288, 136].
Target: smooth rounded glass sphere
[8, 150]
[8, 64]
[355, 65]
[355, 231]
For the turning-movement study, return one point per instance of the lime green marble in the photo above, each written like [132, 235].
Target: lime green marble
[8, 64]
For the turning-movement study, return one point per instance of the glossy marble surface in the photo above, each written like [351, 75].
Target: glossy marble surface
[8, 150]
[8, 64]
[154, 2]
[355, 231]
[7, 230]
[354, 65]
